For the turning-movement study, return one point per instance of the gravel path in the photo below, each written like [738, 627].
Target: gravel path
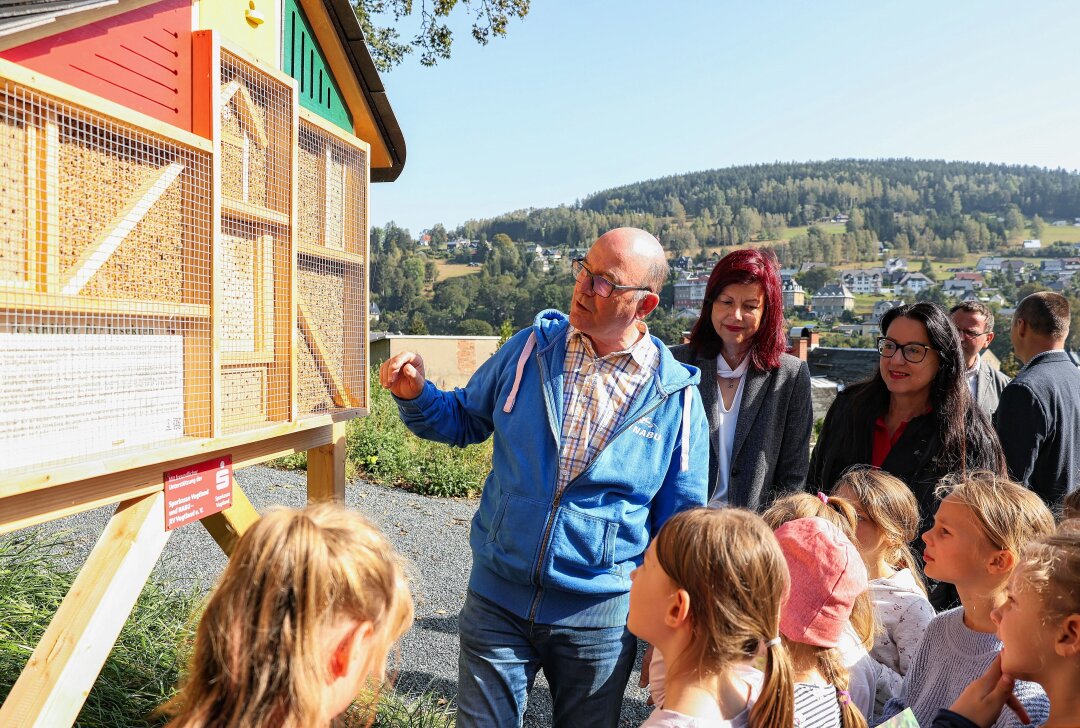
[431, 532]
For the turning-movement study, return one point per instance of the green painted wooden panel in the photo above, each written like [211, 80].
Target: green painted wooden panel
[302, 59]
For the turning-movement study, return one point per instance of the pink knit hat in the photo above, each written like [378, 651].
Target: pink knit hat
[827, 574]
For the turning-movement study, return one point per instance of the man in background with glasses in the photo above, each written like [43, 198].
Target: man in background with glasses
[599, 437]
[975, 322]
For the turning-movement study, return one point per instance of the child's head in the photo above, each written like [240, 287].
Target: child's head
[982, 524]
[717, 578]
[888, 516]
[1039, 624]
[830, 575]
[1070, 508]
[305, 612]
[840, 513]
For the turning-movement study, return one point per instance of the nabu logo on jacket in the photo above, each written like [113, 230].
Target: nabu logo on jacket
[645, 428]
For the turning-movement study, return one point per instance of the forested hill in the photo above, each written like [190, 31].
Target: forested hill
[840, 212]
[924, 199]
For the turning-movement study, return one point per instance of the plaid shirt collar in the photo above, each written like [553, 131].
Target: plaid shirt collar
[641, 351]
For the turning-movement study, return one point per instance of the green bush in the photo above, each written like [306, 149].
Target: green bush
[386, 452]
[381, 449]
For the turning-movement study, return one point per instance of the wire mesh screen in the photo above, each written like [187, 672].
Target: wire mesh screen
[332, 243]
[254, 271]
[105, 284]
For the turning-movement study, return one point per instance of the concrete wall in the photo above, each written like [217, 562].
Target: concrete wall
[449, 361]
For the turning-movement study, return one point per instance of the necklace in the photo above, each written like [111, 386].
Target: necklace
[732, 382]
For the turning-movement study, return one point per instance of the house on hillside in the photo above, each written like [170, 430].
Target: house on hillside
[914, 283]
[833, 300]
[988, 264]
[957, 287]
[883, 307]
[689, 293]
[1052, 266]
[864, 280]
[1034, 244]
[793, 293]
[977, 279]
[896, 264]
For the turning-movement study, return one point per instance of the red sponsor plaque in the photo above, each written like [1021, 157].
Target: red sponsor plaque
[196, 491]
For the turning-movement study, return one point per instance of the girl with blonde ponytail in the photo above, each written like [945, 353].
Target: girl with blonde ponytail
[302, 618]
[888, 521]
[708, 598]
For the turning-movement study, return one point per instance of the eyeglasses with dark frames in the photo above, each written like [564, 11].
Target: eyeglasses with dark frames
[600, 286]
[969, 334]
[914, 353]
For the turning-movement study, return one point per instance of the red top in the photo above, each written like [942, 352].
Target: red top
[883, 442]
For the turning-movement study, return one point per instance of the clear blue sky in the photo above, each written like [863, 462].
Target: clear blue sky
[583, 95]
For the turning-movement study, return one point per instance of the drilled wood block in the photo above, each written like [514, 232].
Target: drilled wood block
[13, 199]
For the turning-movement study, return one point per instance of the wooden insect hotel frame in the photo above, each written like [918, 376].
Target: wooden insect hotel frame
[183, 279]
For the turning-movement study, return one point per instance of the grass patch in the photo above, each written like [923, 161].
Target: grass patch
[146, 663]
[455, 270]
[143, 666]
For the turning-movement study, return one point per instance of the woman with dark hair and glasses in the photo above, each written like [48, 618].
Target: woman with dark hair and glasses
[915, 417]
[756, 397]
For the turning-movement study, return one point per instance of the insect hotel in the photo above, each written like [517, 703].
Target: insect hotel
[183, 278]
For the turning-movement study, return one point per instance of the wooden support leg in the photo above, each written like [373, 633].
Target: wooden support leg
[230, 524]
[51, 690]
[326, 468]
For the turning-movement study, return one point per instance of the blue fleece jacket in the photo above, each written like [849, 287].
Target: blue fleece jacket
[566, 558]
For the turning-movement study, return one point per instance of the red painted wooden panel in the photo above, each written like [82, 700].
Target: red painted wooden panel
[141, 59]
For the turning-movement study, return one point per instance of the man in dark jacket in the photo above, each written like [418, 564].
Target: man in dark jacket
[1038, 417]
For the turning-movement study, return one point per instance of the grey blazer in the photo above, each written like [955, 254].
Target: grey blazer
[988, 386]
[771, 452]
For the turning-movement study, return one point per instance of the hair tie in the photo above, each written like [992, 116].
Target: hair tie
[845, 696]
[773, 642]
[824, 498]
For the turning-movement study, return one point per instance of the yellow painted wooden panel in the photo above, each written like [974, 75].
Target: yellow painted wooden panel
[229, 18]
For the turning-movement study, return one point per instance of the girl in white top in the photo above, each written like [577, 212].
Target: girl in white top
[708, 597]
[888, 521]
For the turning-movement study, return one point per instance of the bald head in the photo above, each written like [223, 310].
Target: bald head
[639, 257]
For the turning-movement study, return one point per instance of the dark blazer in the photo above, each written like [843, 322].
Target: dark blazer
[1038, 423]
[988, 385]
[771, 450]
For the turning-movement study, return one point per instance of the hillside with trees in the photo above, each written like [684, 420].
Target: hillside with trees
[835, 212]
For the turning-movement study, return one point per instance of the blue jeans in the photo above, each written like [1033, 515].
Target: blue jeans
[587, 668]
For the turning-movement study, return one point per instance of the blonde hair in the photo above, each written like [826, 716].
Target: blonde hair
[1010, 515]
[730, 564]
[839, 512]
[831, 665]
[1051, 566]
[259, 658]
[892, 507]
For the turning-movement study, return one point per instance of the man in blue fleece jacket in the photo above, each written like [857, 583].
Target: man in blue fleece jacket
[594, 424]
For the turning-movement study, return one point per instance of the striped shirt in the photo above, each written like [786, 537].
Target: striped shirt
[817, 706]
[597, 394]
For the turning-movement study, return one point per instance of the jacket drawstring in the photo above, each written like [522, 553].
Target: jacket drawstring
[508, 406]
[684, 458]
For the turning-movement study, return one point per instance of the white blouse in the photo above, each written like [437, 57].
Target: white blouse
[726, 420]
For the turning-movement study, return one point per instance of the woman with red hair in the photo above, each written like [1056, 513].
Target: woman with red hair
[756, 396]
